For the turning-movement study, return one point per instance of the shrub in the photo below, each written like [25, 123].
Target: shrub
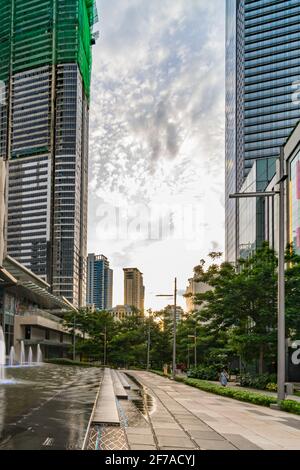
[271, 387]
[237, 394]
[290, 406]
[259, 382]
[204, 373]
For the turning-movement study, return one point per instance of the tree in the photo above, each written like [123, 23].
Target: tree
[242, 307]
[95, 326]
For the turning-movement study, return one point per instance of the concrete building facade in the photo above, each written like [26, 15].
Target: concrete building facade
[45, 64]
[134, 290]
[121, 312]
[194, 287]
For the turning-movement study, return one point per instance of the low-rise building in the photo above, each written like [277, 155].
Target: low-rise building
[120, 312]
[169, 312]
[194, 287]
[29, 313]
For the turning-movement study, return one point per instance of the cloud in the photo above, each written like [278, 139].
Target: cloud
[157, 112]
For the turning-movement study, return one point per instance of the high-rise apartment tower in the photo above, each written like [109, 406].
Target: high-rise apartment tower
[45, 64]
[134, 290]
[99, 282]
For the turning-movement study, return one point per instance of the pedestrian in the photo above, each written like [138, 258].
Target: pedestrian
[224, 378]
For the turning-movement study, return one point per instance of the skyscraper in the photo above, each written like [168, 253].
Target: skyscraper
[2, 209]
[99, 282]
[134, 290]
[45, 63]
[262, 74]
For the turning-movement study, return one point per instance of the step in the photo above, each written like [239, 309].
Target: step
[123, 380]
[106, 411]
[120, 391]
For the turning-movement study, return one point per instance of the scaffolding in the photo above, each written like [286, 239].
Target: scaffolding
[34, 33]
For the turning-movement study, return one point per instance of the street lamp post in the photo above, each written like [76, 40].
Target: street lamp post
[281, 274]
[105, 344]
[174, 326]
[174, 330]
[148, 344]
[74, 337]
[195, 347]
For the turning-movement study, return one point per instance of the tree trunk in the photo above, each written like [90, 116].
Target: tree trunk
[261, 360]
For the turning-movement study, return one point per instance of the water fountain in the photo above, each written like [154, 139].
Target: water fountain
[30, 356]
[22, 354]
[2, 355]
[39, 358]
[12, 356]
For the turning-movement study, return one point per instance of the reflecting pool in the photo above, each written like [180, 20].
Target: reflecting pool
[46, 407]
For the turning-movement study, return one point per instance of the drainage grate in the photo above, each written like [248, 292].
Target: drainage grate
[107, 438]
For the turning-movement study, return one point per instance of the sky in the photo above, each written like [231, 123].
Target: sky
[156, 171]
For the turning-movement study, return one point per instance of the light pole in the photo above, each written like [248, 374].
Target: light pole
[195, 347]
[174, 326]
[148, 344]
[281, 274]
[105, 344]
[74, 337]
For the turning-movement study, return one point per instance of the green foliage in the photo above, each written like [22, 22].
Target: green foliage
[235, 326]
[204, 373]
[290, 406]
[126, 340]
[239, 314]
[230, 392]
[258, 381]
[271, 387]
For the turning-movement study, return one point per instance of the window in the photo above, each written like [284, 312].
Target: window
[27, 332]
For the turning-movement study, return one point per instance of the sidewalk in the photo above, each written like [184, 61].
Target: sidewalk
[184, 417]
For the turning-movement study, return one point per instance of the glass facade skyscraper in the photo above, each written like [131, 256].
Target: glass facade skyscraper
[99, 282]
[263, 75]
[45, 63]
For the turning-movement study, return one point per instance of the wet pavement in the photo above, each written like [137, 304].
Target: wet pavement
[47, 407]
[184, 417]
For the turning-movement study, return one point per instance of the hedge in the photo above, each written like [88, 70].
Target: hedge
[230, 392]
[290, 406]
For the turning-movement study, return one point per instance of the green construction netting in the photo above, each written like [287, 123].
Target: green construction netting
[37, 26]
[5, 34]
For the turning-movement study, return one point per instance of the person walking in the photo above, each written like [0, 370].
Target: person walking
[224, 378]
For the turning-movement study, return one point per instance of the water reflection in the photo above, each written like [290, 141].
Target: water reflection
[143, 401]
[47, 407]
[2, 409]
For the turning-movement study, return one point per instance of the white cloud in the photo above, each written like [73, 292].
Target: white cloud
[157, 126]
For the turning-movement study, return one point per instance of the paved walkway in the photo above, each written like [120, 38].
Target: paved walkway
[186, 418]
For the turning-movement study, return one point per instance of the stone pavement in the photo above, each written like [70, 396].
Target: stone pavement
[184, 418]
